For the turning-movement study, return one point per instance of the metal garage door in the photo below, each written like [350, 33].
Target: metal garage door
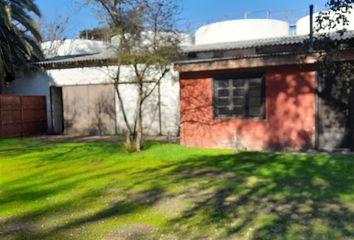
[89, 110]
[22, 115]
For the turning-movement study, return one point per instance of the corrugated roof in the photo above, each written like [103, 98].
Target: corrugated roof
[205, 60]
[102, 56]
[287, 40]
[109, 54]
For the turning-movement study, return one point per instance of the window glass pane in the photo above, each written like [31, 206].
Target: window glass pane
[238, 101]
[239, 92]
[255, 111]
[255, 82]
[238, 83]
[224, 111]
[255, 92]
[239, 111]
[223, 101]
[255, 101]
[223, 93]
[223, 83]
[255, 88]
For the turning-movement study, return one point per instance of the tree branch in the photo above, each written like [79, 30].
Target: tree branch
[156, 84]
[121, 104]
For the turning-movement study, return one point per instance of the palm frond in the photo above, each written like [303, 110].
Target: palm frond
[19, 35]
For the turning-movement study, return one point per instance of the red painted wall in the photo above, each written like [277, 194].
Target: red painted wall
[290, 113]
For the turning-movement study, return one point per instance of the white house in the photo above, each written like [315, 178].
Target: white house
[76, 79]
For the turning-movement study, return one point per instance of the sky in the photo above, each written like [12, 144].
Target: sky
[194, 13]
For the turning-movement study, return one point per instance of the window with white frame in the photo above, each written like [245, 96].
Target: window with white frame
[239, 95]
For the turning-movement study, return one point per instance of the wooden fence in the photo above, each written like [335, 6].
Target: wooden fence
[22, 116]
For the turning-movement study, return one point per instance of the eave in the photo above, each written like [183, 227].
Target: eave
[257, 61]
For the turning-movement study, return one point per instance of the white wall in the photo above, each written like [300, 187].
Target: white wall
[39, 84]
[169, 107]
[81, 76]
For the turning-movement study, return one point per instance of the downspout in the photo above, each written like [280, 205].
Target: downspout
[317, 87]
[317, 111]
[159, 107]
[311, 28]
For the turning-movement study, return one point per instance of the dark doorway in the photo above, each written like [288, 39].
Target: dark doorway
[334, 116]
[351, 117]
[56, 96]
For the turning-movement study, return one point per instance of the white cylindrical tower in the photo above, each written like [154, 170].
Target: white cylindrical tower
[239, 30]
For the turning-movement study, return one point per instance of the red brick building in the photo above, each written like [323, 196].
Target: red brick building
[259, 94]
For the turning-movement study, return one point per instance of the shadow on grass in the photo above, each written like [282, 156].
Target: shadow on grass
[247, 195]
[21, 227]
[269, 196]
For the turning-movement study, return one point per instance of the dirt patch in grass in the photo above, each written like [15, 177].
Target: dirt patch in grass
[172, 206]
[92, 139]
[134, 231]
[8, 229]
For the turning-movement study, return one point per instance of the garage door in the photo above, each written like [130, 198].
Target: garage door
[89, 110]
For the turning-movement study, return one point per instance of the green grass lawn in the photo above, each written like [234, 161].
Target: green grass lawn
[51, 190]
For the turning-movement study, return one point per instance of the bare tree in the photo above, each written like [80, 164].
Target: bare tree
[53, 32]
[147, 43]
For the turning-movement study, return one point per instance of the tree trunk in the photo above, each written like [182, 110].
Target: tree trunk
[130, 135]
[159, 106]
[129, 140]
[139, 122]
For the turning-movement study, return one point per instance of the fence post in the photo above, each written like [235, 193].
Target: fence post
[21, 106]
